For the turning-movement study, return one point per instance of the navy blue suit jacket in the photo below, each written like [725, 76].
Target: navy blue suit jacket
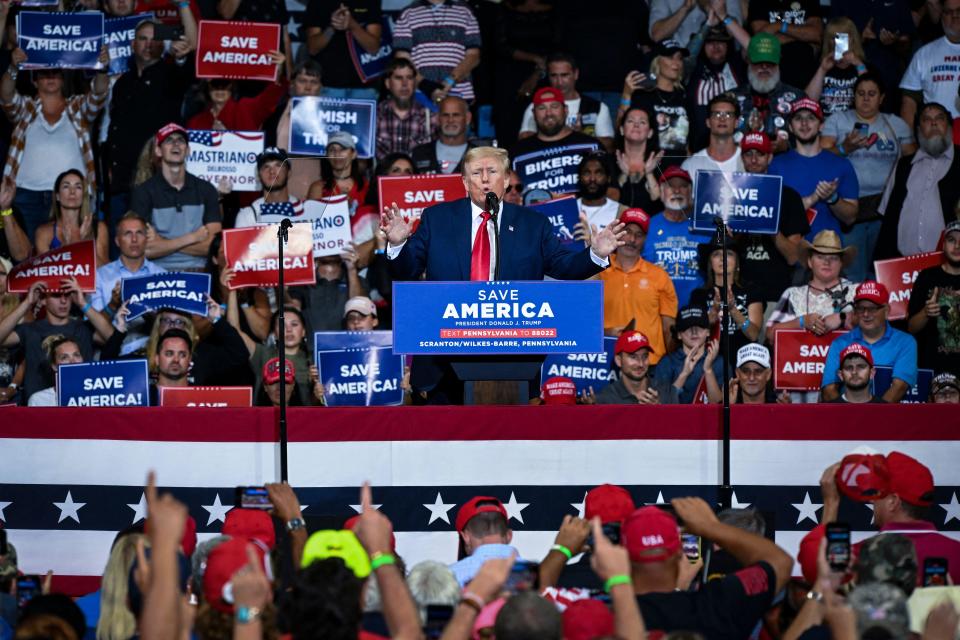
[529, 249]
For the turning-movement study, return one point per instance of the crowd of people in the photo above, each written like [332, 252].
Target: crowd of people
[618, 570]
[865, 151]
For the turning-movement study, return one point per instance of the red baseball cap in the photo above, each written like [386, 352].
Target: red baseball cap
[675, 171]
[809, 105]
[630, 342]
[872, 291]
[757, 140]
[559, 390]
[223, 562]
[473, 508]
[271, 371]
[636, 216]
[168, 130]
[587, 619]
[352, 522]
[910, 479]
[610, 502]
[856, 349]
[250, 523]
[809, 550]
[650, 535]
[547, 94]
[866, 478]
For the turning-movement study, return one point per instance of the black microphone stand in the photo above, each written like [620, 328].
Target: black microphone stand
[493, 207]
[726, 490]
[282, 236]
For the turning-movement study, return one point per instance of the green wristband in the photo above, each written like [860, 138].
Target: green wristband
[613, 581]
[381, 560]
[564, 550]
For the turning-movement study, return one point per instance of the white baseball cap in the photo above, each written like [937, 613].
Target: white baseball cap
[753, 352]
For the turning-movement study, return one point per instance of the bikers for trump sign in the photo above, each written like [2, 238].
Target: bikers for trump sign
[313, 120]
[746, 202]
[554, 169]
[60, 40]
[215, 155]
[238, 50]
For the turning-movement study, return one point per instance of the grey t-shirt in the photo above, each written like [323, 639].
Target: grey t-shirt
[616, 393]
[874, 164]
[31, 336]
[449, 156]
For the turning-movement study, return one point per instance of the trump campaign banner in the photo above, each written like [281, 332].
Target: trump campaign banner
[119, 34]
[898, 276]
[185, 292]
[75, 260]
[495, 318]
[917, 394]
[585, 369]
[553, 169]
[215, 155]
[312, 120]
[358, 368]
[60, 40]
[563, 213]
[799, 357]
[199, 397]
[747, 202]
[121, 383]
[238, 50]
[252, 253]
[413, 194]
[329, 220]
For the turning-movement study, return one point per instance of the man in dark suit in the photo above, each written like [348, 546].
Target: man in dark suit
[455, 241]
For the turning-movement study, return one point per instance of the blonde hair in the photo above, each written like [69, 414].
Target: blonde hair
[8, 301]
[147, 162]
[655, 71]
[841, 25]
[116, 621]
[479, 153]
[52, 342]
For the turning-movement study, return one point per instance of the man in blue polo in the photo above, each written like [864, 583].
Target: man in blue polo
[890, 347]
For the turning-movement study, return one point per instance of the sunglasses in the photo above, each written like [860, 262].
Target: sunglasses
[515, 188]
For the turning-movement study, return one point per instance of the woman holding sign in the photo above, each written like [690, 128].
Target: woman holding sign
[225, 112]
[72, 218]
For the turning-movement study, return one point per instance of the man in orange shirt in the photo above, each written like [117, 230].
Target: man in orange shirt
[634, 289]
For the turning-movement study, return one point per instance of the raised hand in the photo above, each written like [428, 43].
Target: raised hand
[607, 241]
[394, 227]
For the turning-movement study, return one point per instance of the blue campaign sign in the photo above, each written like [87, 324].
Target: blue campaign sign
[553, 169]
[119, 33]
[372, 65]
[585, 369]
[185, 292]
[121, 383]
[563, 213]
[313, 120]
[748, 202]
[918, 394]
[358, 368]
[496, 318]
[60, 40]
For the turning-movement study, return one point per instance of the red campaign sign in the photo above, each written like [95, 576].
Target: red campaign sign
[413, 194]
[898, 276]
[799, 357]
[75, 260]
[202, 397]
[252, 254]
[238, 50]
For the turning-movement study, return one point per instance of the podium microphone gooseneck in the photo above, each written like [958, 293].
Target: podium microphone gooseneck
[282, 236]
[493, 207]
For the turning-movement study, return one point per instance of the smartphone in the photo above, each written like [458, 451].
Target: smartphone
[165, 32]
[838, 545]
[27, 588]
[4, 548]
[935, 572]
[523, 577]
[841, 44]
[611, 530]
[861, 129]
[649, 82]
[252, 498]
[691, 546]
[438, 616]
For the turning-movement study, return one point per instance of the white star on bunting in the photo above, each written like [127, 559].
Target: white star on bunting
[952, 508]
[581, 506]
[69, 508]
[514, 508]
[735, 504]
[217, 510]
[807, 509]
[439, 509]
[139, 509]
[359, 507]
[4, 505]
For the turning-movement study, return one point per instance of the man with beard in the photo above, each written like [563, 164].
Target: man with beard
[751, 384]
[827, 182]
[889, 347]
[764, 100]
[273, 169]
[920, 196]
[183, 210]
[172, 362]
[718, 69]
[550, 114]
[856, 374]
[594, 178]
[931, 76]
[631, 354]
[635, 290]
[445, 154]
[671, 244]
[722, 153]
[402, 123]
[934, 308]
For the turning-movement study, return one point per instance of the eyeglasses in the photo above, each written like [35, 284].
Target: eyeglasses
[516, 188]
[949, 392]
[866, 308]
[179, 323]
[722, 115]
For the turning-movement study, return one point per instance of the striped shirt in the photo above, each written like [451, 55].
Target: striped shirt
[437, 37]
[82, 111]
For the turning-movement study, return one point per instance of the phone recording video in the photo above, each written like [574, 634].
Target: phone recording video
[838, 546]
[523, 577]
[252, 498]
[27, 588]
[691, 546]
[935, 572]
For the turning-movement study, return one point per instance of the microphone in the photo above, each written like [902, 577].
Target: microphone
[285, 225]
[493, 203]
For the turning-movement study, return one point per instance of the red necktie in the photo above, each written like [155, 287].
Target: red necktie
[480, 260]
